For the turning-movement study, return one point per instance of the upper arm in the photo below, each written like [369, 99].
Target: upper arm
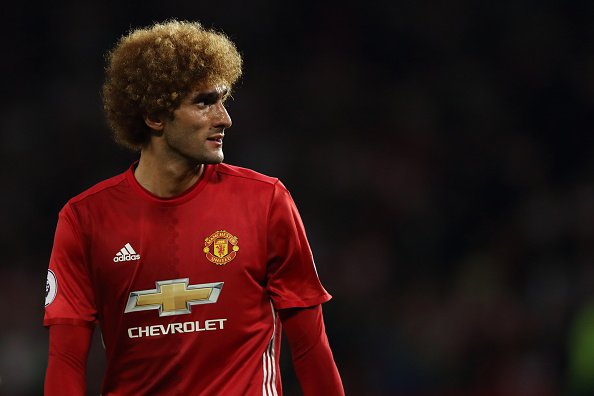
[292, 279]
[69, 294]
[304, 328]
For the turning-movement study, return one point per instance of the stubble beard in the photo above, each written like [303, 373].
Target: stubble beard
[197, 156]
[209, 158]
[213, 161]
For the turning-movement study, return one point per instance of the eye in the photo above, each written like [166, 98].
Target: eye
[204, 103]
[207, 99]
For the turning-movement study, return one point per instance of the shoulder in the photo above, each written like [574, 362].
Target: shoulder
[245, 174]
[99, 191]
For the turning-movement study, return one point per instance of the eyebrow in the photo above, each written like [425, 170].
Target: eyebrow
[211, 96]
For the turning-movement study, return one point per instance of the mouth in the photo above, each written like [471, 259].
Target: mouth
[218, 138]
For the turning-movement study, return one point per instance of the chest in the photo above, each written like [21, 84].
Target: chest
[136, 248]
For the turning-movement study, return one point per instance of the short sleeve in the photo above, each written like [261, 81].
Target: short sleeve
[292, 277]
[69, 295]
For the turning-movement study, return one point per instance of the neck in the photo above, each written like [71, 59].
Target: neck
[166, 178]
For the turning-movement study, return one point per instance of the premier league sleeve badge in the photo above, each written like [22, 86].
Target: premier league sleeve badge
[51, 287]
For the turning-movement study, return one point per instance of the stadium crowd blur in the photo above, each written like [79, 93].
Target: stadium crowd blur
[440, 153]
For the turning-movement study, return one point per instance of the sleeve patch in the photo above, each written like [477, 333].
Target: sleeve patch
[51, 287]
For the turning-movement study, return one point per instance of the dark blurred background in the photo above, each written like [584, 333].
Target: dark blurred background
[441, 155]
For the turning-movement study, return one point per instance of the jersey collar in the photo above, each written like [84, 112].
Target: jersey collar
[172, 201]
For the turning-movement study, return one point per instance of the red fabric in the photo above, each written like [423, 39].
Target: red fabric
[292, 279]
[310, 350]
[67, 360]
[117, 241]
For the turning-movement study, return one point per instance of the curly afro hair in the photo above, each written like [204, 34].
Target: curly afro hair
[152, 69]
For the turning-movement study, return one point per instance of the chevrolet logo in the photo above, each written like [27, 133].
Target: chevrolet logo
[174, 297]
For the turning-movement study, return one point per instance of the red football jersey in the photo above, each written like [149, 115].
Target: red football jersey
[185, 289]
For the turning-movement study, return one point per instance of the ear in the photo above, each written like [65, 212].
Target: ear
[154, 122]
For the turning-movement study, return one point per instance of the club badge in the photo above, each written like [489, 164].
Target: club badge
[221, 247]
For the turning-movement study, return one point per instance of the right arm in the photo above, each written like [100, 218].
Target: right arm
[67, 360]
[70, 312]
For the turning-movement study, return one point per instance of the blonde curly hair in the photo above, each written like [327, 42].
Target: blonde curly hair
[150, 71]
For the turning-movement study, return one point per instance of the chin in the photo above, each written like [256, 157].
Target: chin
[212, 159]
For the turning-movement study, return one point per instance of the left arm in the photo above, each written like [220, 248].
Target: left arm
[310, 350]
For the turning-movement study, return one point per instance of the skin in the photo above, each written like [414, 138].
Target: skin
[173, 160]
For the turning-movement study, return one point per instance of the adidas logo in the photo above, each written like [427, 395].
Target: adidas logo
[126, 254]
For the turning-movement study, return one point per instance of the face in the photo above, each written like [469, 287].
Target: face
[197, 128]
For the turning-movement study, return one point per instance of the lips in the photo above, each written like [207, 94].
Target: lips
[216, 138]
[216, 141]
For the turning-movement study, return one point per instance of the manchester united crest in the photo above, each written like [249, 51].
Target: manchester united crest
[221, 247]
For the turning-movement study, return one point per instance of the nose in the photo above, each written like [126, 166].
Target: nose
[223, 119]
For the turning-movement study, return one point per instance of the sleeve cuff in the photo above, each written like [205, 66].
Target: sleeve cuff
[301, 303]
[68, 321]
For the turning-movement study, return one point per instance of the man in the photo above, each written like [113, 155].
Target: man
[190, 266]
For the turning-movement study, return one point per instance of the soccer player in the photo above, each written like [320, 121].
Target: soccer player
[190, 266]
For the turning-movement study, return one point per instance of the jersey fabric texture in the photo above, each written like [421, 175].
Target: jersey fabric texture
[185, 289]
